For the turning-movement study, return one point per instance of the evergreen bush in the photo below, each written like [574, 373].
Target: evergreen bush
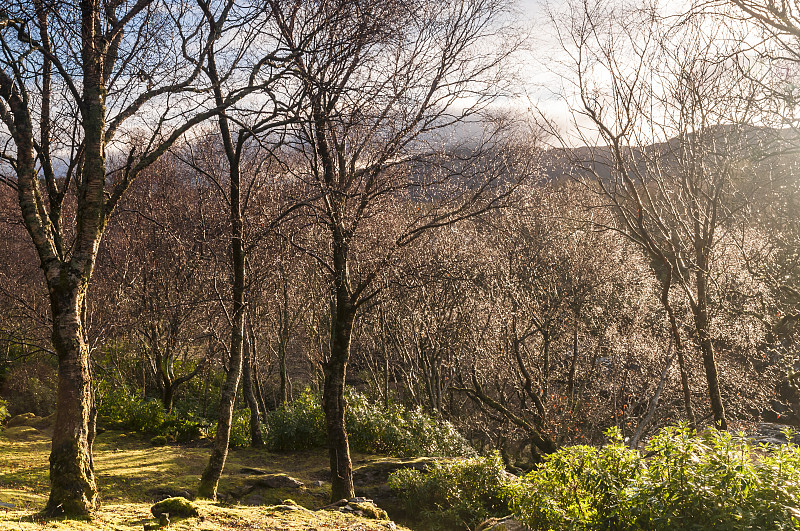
[370, 428]
[454, 494]
[711, 480]
[120, 409]
[296, 426]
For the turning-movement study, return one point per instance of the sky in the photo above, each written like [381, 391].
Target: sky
[544, 69]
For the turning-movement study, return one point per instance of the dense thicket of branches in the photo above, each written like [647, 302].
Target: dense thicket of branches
[232, 202]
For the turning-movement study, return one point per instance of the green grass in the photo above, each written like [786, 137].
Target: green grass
[129, 468]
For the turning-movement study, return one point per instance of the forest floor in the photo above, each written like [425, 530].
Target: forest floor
[132, 474]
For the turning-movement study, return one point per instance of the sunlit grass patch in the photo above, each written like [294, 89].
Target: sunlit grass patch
[129, 471]
[214, 517]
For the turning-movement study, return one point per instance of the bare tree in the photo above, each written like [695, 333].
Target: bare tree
[377, 78]
[672, 122]
[254, 121]
[560, 341]
[164, 301]
[92, 93]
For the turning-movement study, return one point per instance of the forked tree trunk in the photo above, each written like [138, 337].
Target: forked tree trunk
[73, 490]
[333, 402]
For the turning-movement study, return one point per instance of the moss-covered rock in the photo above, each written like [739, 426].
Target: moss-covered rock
[20, 432]
[359, 506]
[20, 420]
[261, 496]
[177, 507]
[369, 510]
[158, 440]
[289, 505]
[277, 481]
[43, 423]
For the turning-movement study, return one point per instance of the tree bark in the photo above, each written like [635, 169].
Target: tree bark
[255, 380]
[168, 398]
[676, 340]
[333, 402]
[283, 390]
[73, 490]
[256, 440]
[219, 452]
[702, 322]
[573, 365]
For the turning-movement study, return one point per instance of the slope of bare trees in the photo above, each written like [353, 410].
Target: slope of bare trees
[336, 222]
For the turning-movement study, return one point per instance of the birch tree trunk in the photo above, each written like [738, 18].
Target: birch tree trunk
[53, 161]
[73, 490]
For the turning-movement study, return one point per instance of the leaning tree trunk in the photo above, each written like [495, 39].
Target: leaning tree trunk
[219, 452]
[216, 463]
[73, 490]
[256, 439]
[676, 340]
[702, 322]
[333, 401]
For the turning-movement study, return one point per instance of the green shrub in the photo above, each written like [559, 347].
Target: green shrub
[708, 481]
[4, 414]
[240, 429]
[400, 432]
[370, 428]
[433, 437]
[456, 494]
[183, 429]
[296, 426]
[121, 409]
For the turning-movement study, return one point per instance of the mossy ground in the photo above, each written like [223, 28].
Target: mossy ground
[130, 470]
[214, 517]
